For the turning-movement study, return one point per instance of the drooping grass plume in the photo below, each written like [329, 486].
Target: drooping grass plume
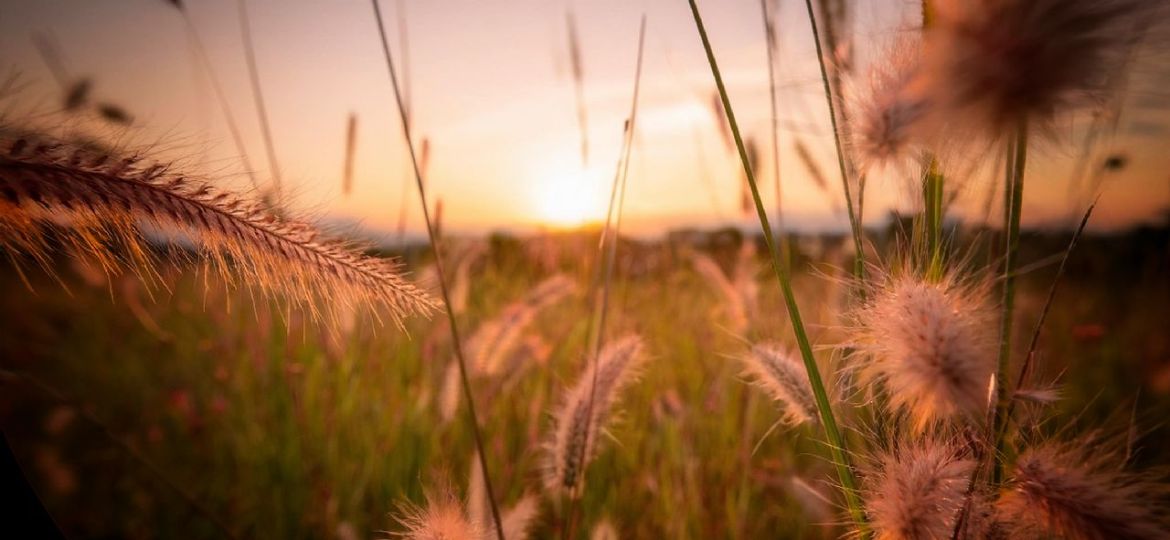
[931, 343]
[779, 374]
[995, 63]
[1077, 490]
[98, 198]
[918, 491]
[570, 451]
[492, 343]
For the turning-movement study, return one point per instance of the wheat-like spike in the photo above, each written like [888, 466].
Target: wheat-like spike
[1077, 490]
[918, 491]
[99, 198]
[782, 377]
[494, 341]
[569, 448]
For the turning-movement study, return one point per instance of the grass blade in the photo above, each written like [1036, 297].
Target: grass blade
[471, 416]
[835, 441]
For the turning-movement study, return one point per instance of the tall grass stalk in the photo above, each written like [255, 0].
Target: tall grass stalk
[404, 53]
[932, 192]
[613, 218]
[836, 442]
[456, 342]
[220, 97]
[770, 47]
[258, 97]
[1014, 195]
[854, 223]
[932, 197]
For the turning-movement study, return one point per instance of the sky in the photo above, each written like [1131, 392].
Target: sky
[492, 93]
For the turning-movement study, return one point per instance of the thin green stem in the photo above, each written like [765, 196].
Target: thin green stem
[836, 442]
[854, 224]
[472, 419]
[1015, 195]
[932, 198]
[770, 47]
[617, 198]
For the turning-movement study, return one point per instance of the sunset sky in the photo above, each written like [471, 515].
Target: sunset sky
[492, 92]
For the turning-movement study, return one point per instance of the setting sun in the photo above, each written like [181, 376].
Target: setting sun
[569, 199]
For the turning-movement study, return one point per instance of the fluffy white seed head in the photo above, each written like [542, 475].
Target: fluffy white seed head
[578, 425]
[1077, 490]
[441, 519]
[931, 344]
[993, 63]
[918, 491]
[890, 109]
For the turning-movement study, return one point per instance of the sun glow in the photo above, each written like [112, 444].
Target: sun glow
[569, 199]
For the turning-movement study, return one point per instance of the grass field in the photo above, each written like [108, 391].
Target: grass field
[278, 429]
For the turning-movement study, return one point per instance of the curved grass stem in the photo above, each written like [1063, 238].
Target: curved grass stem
[835, 441]
[854, 222]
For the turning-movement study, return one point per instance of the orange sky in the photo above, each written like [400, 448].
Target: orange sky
[492, 92]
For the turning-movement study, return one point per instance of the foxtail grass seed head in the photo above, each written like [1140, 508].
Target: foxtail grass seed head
[495, 340]
[890, 109]
[918, 491]
[992, 64]
[781, 375]
[97, 198]
[519, 519]
[734, 294]
[931, 344]
[1078, 490]
[571, 449]
[441, 519]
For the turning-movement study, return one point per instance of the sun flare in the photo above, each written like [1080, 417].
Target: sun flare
[568, 199]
